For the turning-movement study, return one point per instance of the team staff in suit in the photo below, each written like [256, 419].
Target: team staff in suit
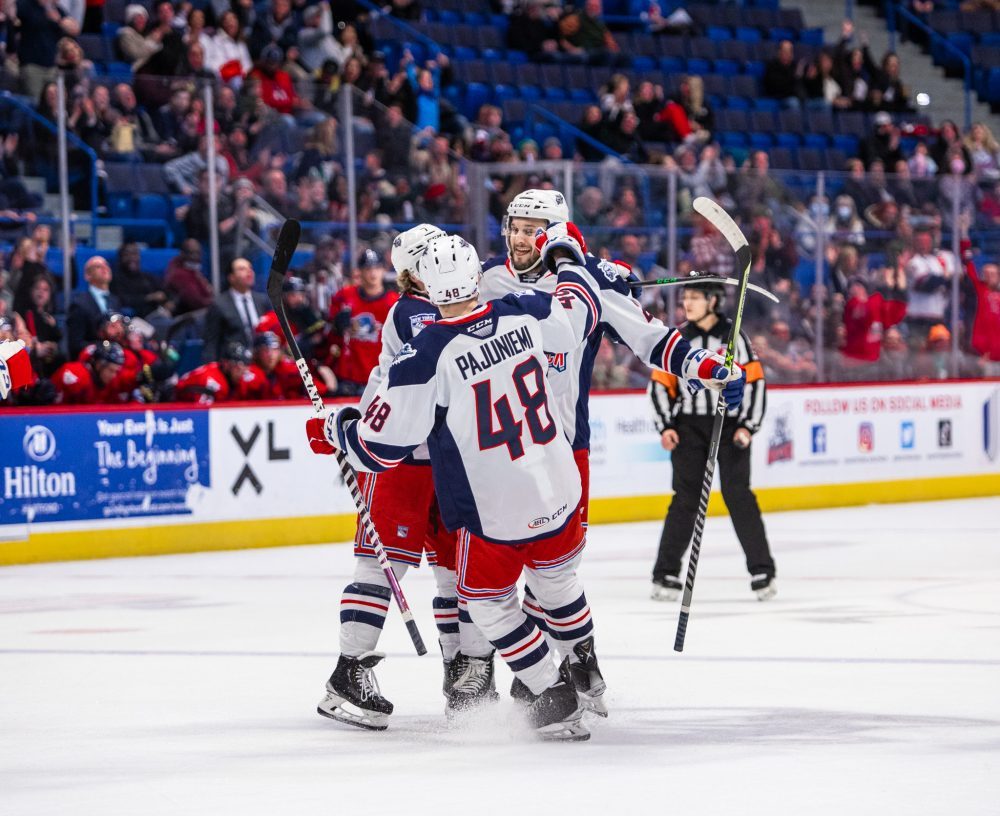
[88, 309]
[235, 313]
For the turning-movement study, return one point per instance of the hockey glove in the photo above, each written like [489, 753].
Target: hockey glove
[323, 431]
[562, 240]
[15, 367]
[705, 369]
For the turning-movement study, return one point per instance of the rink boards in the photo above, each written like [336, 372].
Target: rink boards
[104, 482]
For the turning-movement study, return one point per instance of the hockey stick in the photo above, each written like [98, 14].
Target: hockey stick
[288, 239]
[703, 277]
[724, 223]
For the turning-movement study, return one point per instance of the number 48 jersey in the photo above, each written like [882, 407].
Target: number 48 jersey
[475, 388]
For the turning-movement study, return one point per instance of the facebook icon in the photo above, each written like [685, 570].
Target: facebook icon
[819, 438]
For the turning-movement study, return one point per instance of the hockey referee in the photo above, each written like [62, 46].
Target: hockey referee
[685, 425]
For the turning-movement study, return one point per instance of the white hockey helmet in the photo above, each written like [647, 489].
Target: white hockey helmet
[450, 270]
[547, 205]
[407, 247]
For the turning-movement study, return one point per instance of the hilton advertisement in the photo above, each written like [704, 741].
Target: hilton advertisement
[90, 466]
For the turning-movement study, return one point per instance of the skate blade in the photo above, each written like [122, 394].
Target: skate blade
[595, 704]
[767, 592]
[337, 708]
[566, 731]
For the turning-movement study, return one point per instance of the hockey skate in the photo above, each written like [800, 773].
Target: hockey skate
[556, 713]
[587, 678]
[520, 693]
[452, 671]
[473, 686]
[352, 694]
[763, 586]
[667, 588]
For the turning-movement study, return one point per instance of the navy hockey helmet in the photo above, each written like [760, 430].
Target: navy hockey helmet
[235, 352]
[108, 352]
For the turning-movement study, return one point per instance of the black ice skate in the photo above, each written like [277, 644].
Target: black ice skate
[352, 694]
[556, 713]
[763, 586]
[452, 671]
[587, 678]
[667, 588]
[520, 693]
[474, 685]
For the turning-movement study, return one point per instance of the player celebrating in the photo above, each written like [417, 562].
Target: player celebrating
[684, 421]
[505, 474]
[622, 318]
[405, 513]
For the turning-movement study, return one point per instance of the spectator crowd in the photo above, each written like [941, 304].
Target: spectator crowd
[879, 235]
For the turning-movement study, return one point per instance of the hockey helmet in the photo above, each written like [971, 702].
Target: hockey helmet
[368, 258]
[109, 352]
[266, 339]
[545, 205]
[407, 247]
[235, 352]
[450, 270]
[710, 289]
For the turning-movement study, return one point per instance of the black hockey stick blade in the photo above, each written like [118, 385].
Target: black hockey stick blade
[284, 249]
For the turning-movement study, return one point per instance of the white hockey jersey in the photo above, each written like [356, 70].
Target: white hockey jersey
[475, 388]
[408, 316]
[622, 319]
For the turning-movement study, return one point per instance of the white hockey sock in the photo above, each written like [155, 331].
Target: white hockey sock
[473, 642]
[518, 640]
[446, 611]
[364, 605]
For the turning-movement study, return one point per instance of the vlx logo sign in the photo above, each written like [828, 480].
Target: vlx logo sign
[246, 445]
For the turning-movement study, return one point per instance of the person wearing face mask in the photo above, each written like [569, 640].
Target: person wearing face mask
[847, 226]
[814, 218]
[956, 191]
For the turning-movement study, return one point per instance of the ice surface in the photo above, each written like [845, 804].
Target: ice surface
[187, 684]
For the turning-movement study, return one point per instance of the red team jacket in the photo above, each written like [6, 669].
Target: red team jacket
[360, 349]
[205, 385]
[76, 385]
[284, 383]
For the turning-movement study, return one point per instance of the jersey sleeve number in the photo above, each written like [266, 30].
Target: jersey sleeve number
[377, 413]
[529, 383]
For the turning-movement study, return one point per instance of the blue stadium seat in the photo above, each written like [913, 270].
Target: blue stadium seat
[850, 144]
[699, 66]
[789, 141]
[761, 141]
[155, 260]
[727, 67]
[816, 141]
[762, 121]
[718, 33]
[748, 34]
[673, 65]
[764, 103]
[476, 95]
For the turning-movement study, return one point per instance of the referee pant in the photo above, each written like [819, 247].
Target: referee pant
[689, 459]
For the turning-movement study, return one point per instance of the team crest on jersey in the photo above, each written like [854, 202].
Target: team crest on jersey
[557, 362]
[404, 353]
[365, 326]
[398, 242]
[609, 269]
[419, 322]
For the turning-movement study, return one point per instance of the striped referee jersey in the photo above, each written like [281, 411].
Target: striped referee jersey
[671, 399]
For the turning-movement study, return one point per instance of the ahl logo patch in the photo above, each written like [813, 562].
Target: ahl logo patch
[419, 322]
[404, 353]
[557, 361]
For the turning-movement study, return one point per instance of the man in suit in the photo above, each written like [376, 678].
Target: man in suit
[89, 308]
[235, 313]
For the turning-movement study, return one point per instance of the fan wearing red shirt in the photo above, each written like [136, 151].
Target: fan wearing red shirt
[986, 328]
[95, 382]
[867, 316]
[358, 314]
[216, 382]
[276, 86]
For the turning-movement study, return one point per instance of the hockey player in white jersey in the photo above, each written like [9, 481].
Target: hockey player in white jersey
[473, 384]
[405, 512]
[569, 374]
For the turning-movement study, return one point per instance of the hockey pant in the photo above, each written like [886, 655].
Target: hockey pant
[551, 567]
[367, 599]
